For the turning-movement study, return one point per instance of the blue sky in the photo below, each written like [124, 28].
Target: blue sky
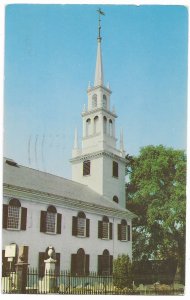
[50, 54]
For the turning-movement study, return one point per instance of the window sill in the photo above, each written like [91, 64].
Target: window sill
[13, 229]
[51, 233]
[116, 177]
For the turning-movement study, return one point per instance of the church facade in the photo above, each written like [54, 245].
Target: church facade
[83, 219]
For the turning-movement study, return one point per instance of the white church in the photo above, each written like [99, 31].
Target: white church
[83, 219]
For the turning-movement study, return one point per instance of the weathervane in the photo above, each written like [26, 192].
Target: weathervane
[100, 12]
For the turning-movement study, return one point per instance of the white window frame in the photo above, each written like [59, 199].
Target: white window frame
[108, 229]
[55, 229]
[84, 227]
[19, 218]
[126, 236]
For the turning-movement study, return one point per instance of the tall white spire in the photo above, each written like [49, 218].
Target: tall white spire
[99, 75]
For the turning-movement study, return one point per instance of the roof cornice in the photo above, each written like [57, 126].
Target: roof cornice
[32, 195]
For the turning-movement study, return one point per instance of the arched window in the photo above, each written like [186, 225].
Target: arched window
[123, 231]
[94, 101]
[80, 225]
[104, 124]
[88, 125]
[115, 199]
[14, 216]
[110, 128]
[105, 229]
[96, 124]
[104, 101]
[105, 263]
[80, 263]
[50, 221]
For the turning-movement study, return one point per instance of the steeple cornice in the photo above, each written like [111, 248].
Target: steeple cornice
[98, 87]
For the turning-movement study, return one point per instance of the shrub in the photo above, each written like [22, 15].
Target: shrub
[122, 272]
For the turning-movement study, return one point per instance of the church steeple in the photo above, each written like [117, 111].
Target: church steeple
[99, 75]
[99, 163]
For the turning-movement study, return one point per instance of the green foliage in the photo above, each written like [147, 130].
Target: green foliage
[156, 192]
[122, 272]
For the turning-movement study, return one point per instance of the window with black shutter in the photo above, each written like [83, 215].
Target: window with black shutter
[80, 263]
[14, 216]
[50, 221]
[81, 225]
[115, 169]
[105, 263]
[86, 167]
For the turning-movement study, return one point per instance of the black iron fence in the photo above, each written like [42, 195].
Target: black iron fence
[65, 283]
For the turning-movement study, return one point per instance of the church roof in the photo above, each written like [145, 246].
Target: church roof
[64, 191]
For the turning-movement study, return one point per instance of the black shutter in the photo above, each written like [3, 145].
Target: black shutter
[100, 229]
[74, 226]
[119, 232]
[111, 264]
[99, 264]
[87, 261]
[87, 227]
[23, 218]
[57, 264]
[43, 221]
[73, 264]
[5, 215]
[41, 264]
[110, 231]
[129, 232]
[59, 218]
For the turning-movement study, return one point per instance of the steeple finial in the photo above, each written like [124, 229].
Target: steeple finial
[99, 78]
[100, 12]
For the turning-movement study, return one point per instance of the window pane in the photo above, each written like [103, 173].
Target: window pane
[50, 222]
[13, 217]
[105, 230]
[123, 232]
[81, 226]
[115, 169]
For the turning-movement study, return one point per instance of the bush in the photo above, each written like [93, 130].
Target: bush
[122, 272]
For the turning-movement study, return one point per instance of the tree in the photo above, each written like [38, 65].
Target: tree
[122, 272]
[156, 192]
